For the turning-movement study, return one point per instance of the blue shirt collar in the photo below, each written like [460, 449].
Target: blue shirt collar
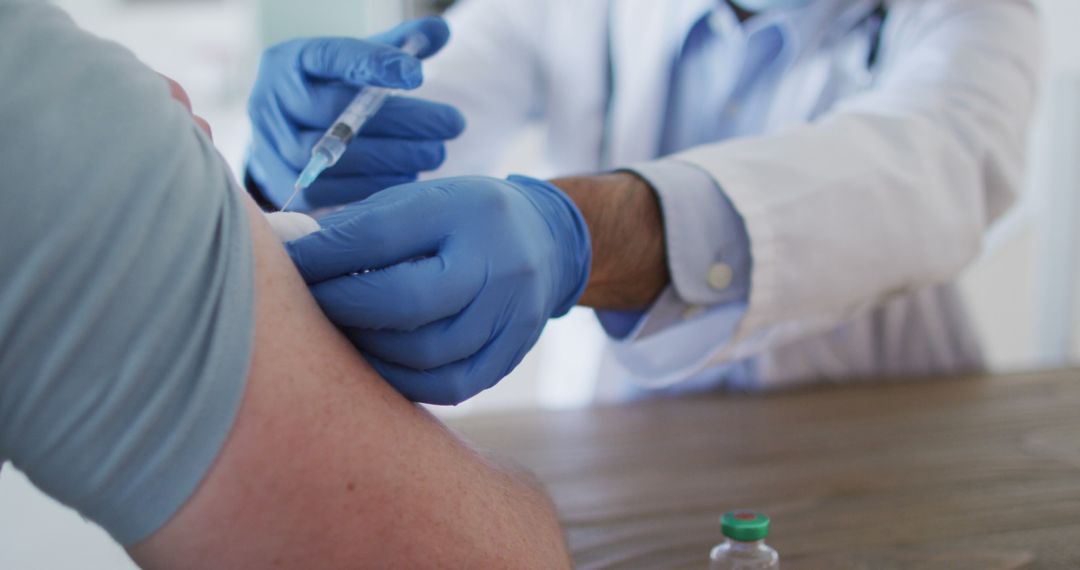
[804, 25]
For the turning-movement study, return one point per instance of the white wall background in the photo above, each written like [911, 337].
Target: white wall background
[1016, 291]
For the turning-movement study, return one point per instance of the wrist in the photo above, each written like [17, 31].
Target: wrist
[629, 261]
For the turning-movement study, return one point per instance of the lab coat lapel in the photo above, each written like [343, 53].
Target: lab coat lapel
[642, 50]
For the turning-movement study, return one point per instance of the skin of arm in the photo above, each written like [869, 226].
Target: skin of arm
[328, 467]
[629, 268]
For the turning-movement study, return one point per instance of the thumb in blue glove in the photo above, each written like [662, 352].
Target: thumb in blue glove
[446, 284]
[302, 87]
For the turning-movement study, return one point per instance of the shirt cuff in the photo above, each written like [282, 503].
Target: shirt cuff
[708, 252]
[708, 247]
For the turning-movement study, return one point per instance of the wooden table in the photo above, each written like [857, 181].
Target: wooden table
[977, 473]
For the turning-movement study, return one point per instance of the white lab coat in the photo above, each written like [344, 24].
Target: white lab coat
[863, 199]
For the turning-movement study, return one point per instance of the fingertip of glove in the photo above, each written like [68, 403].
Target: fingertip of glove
[437, 31]
[455, 122]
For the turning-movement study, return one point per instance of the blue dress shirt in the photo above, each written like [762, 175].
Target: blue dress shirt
[721, 87]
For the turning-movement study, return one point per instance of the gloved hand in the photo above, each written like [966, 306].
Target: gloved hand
[302, 87]
[446, 284]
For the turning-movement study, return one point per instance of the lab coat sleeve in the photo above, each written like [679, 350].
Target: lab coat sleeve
[491, 71]
[708, 250]
[892, 190]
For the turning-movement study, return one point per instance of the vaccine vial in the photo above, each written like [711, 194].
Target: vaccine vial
[744, 545]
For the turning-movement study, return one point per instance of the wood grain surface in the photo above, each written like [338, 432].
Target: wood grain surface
[974, 473]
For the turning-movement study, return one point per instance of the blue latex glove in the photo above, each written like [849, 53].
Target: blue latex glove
[446, 284]
[302, 87]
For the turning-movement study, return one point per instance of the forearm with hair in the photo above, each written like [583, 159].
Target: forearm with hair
[622, 211]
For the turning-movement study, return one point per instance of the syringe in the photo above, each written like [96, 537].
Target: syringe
[331, 146]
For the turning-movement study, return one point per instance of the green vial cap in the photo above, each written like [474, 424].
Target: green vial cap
[744, 526]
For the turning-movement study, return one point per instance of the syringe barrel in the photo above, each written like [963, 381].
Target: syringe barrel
[415, 43]
[362, 108]
[332, 146]
[370, 99]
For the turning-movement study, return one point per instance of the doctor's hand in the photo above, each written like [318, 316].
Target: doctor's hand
[445, 285]
[302, 87]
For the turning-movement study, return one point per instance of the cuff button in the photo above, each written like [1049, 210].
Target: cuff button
[720, 276]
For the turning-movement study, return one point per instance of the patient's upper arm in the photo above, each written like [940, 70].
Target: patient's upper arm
[328, 467]
[142, 384]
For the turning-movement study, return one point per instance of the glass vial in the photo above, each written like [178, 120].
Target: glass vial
[744, 545]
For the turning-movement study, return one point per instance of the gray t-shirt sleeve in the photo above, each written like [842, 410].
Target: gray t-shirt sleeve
[126, 299]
